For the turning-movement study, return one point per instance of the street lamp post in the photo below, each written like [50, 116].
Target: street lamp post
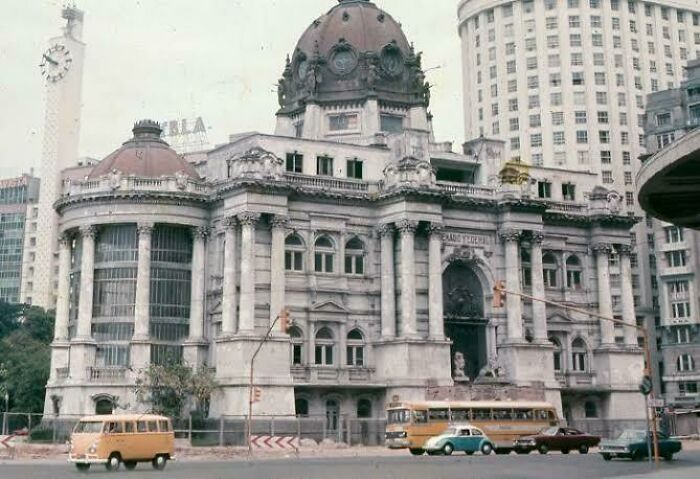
[4, 416]
[499, 292]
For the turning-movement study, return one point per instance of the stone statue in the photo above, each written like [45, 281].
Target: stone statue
[372, 76]
[614, 202]
[458, 364]
[281, 91]
[114, 179]
[426, 92]
[493, 369]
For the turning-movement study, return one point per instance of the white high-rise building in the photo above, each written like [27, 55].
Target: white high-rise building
[564, 83]
[62, 68]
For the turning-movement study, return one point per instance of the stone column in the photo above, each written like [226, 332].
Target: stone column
[408, 278]
[277, 272]
[63, 300]
[386, 233]
[511, 238]
[247, 300]
[87, 271]
[628, 314]
[607, 328]
[229, 294]
[436, 323]
[143, 283]
[539, 310]
[198, 276]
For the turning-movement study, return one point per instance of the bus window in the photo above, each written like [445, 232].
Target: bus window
[164, 425]
[438, 415]
[399, 416]
[129, 427]
[524, 414]
[152, 426]
[420, 417]
[542, 415]
[459, 415]
[502, 414]
[141, 426]
[481, 414]
[552, 417]
[114, 427]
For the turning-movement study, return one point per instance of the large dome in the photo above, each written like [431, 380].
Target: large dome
[145, 155]
[354, 51]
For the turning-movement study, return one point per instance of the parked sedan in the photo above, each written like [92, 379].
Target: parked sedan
[562, 439]
[465, 438]
[633, 445]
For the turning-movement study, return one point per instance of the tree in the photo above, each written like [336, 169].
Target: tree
[168, 388]
[9, 318]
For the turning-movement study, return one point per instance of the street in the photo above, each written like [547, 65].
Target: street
[476, 467]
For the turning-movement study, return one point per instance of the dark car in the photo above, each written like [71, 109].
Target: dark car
[562, 439]
[633, 444]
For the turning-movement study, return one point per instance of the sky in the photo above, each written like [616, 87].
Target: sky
[169, 59]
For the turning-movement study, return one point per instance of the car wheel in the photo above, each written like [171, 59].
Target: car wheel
[606, 457]
[159, 462]
[130, 465]
[113, 462]
[486, 449]
[565, 451]
[543, 449]
[82, 467]
[417, 451]
[583, 449]
[447, 449]
[668, 457]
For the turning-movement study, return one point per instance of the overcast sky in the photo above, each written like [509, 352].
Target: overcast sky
[167, 59]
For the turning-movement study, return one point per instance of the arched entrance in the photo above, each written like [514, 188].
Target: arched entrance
[465, 324]
[104, 405]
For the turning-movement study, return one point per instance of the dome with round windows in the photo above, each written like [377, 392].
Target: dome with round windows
[354, 51]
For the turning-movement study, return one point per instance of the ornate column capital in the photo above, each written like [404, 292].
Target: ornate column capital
[510, 235]
[602, 248]
[280, 222]
[229, 223]
[248, 219]
[200, 232]
[89, 231]
[537, 237]
[145, 229]
[624, 249]
[436, 229]
[385, 230]
[407, 226]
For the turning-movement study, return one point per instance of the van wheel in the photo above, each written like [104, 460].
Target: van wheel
[130, 465]
[82, 467]
[159, 462]
[113, 462]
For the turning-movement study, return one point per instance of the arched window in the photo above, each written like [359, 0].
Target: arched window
[364, 409]
[294, 253]
[574, 273]
[579, 353]
[297, 352]
[104, 406]
[685, 363]
[324, 347]
[590, 409]
[550, 267]
[556, 354]
[355, 257]
[324, 255]
[301, 406]
[526, 268]
[356, 349]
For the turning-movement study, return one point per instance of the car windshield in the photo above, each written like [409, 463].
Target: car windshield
[633, 435]
[550, 431]
[88, 427]
[450, 431]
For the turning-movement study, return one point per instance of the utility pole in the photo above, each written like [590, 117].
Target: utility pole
[499, 293]
[254, 393]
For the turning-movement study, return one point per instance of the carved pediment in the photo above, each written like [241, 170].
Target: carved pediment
[329, 307]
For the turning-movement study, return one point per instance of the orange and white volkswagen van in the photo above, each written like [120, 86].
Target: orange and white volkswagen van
[115, 439]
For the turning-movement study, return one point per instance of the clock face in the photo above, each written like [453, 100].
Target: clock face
[55, 62]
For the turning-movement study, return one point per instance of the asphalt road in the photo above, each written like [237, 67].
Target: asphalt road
[573, 466]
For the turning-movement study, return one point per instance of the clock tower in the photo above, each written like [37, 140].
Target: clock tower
[61, 66]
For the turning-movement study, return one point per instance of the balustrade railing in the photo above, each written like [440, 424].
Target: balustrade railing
[107, 374]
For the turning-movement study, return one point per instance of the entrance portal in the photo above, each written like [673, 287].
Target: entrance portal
[465, 325]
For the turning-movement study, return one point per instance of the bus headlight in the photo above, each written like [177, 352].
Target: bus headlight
[93, 448]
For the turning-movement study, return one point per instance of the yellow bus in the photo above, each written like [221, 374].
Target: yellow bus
[409, 425]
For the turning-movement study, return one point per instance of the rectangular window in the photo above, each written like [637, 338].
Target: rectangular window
[557, 118]
[599, 59]
[575, 40]
[535, 121]
[558, 138]
[675, 259]
[391, 123]
[295, 162]
[577, 78]
[513, 104]
[514, 124]
[555, 79]
[607, 177]
[568, 192]
[605, 157]
[580, 117]
[544, 189]
[604, 136]
[354, 169]
[536, 140]
[293, 261]
[603, 117]
[581, 136]
[663, 119]
[555, 99]
[673, 234]
[324, 165]
[574, 21]
[628, 177]
[343, 122]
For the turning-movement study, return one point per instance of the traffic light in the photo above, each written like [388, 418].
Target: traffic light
[257, 394]
[499, 294]
[286, 322]
[646, 385]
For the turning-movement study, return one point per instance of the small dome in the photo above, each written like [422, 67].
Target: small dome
[354, 51]
[145, 155]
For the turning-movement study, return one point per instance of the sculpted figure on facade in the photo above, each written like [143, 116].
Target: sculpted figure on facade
[493, 369]
[459, 364]
[114, 179]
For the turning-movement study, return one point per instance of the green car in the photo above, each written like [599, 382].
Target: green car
[632, 444]
[465, 438]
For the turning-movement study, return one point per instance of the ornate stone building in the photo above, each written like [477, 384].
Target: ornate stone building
[384, 245]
